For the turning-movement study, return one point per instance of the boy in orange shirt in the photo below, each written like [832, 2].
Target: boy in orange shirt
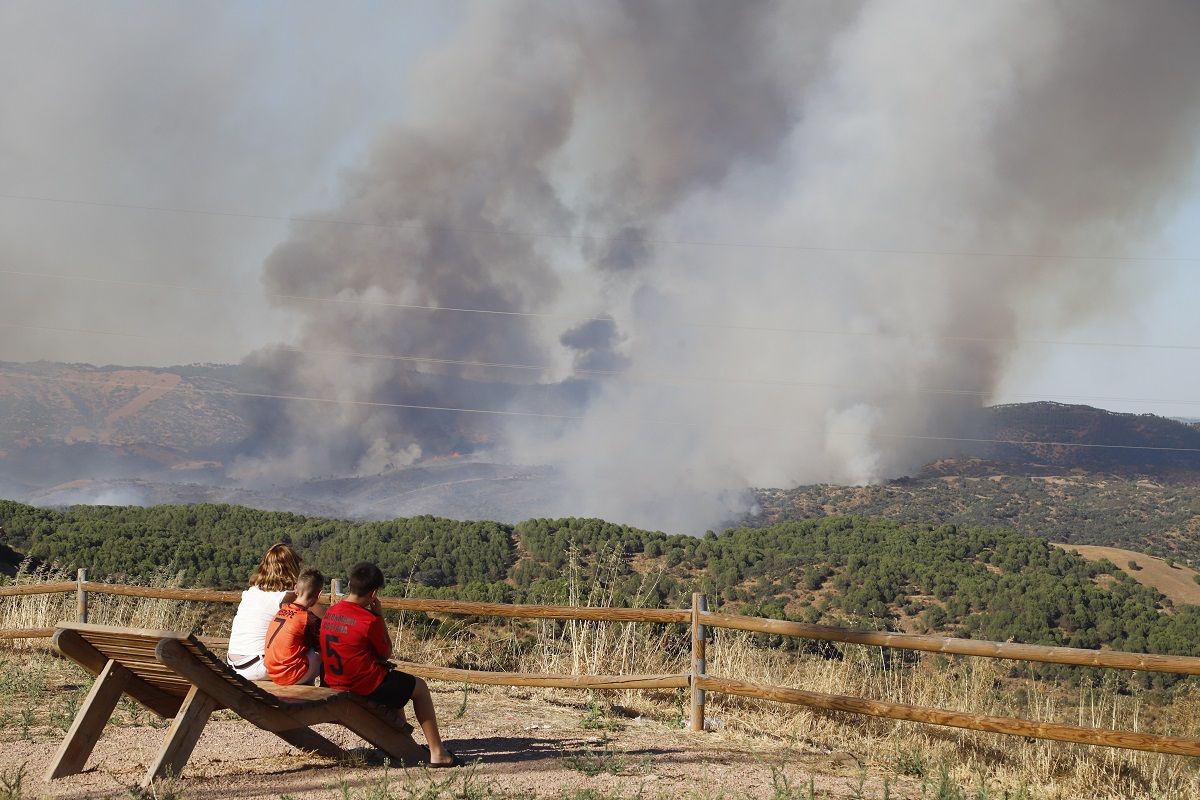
[356, 645]
[293, 638]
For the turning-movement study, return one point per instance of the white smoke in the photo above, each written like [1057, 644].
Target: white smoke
[871, 174]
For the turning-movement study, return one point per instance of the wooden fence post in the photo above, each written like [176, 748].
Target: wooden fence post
[335, 590]
[699, 604]
[81, 595]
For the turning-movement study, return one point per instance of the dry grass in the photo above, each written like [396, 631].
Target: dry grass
[47, 610]
[1177, 582]
[550, 646]
[981, 686]
[997, 763]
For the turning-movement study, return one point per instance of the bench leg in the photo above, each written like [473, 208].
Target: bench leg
[395, 742]
[89, 722]
[182, 736]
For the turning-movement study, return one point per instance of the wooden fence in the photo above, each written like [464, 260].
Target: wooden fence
[700, 619]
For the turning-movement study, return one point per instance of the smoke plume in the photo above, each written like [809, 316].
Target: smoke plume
[753, 243]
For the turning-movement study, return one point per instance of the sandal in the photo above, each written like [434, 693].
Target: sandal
[454, 761]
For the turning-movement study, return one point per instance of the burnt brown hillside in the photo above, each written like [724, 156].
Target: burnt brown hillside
[181, 409]
[124, 421]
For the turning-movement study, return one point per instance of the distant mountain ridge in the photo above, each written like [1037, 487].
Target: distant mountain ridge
[75, 433]
[1142, 495]
[1132, 444]
[173, 415]
[167, 415]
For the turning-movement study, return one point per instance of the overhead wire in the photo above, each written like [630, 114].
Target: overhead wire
[353, 301]
[591, 238]
[546, 315]
[619, 374]
[775, 429]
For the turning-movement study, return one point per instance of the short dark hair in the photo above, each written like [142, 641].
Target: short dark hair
[310, 579]
[365, 578]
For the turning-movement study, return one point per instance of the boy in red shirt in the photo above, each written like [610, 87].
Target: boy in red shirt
[292, 652]
[356, 645]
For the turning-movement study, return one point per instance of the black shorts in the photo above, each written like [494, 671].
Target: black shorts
[395, 691]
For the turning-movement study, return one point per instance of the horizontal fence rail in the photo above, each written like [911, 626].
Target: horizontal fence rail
[27, 589]
[154, 593]
[578, 613]
[680, 681]
[1073, 656]
[957, 719]
[26, 633]
[699, 619]
[526, 611]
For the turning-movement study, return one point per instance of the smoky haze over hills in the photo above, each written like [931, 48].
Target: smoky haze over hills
[558, 160]
[123, 435]
[721, 245]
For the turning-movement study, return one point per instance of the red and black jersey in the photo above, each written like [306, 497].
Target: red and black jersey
[353, 643]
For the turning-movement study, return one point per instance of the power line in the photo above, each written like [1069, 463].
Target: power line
[225, 292]
[629, 375]
[580, 417]
[498, 231]
[329, 400]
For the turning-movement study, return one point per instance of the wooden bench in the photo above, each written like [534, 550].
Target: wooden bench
[177, 677]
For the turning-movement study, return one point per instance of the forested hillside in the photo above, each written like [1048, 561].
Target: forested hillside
[1149, 516]
[977, 582]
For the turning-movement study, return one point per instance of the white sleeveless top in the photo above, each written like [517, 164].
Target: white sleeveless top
[248, 637]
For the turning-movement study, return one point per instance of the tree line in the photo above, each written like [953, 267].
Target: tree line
[987, 583]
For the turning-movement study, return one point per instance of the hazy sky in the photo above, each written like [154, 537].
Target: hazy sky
[249, 108]
[1165, 313]
[254, 109]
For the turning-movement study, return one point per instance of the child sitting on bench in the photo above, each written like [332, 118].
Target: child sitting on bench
[355, 646]
[293, 639]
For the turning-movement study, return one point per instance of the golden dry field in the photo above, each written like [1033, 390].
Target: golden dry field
[1176, 582]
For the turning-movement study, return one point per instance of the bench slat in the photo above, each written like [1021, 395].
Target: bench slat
[297, 692]
[164, 667]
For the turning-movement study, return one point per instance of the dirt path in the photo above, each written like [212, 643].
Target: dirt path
[1177, 582]
[522, 748]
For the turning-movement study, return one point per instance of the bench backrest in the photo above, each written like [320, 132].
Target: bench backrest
[137, 649]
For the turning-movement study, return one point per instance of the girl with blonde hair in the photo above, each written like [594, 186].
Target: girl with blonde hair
[270, 587]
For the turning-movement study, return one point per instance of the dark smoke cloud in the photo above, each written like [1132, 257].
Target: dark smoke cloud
[596, 344]
[474, 197]
[552, 150]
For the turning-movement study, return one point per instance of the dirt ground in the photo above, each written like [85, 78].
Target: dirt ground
[514, 747]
